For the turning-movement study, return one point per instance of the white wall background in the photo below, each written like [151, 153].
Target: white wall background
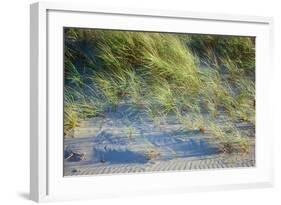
[14, 101]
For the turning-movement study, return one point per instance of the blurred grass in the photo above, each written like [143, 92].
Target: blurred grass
[162, 74]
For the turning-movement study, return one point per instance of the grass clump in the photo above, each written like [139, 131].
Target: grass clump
[71, 121]
[215, 49]
[229, 138]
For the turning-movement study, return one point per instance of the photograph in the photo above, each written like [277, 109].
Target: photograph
[150, 101]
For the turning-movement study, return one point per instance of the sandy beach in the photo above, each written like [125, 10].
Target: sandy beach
[105, 145]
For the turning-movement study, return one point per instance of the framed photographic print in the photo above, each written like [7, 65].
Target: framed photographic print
[128, 102]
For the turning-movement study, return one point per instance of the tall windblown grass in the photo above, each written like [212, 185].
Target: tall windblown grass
[185, 75]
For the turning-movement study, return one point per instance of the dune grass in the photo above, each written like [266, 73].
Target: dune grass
[194, 77]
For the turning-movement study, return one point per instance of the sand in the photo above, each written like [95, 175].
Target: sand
[127, 141]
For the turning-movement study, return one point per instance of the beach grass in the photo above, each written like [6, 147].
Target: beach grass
[195, 77]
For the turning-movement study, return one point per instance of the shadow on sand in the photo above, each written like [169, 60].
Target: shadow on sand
[119, 156]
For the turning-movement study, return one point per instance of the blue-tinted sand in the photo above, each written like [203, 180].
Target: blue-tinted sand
[107, 145]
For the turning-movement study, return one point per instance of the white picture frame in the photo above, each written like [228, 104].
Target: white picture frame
[46, 179]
